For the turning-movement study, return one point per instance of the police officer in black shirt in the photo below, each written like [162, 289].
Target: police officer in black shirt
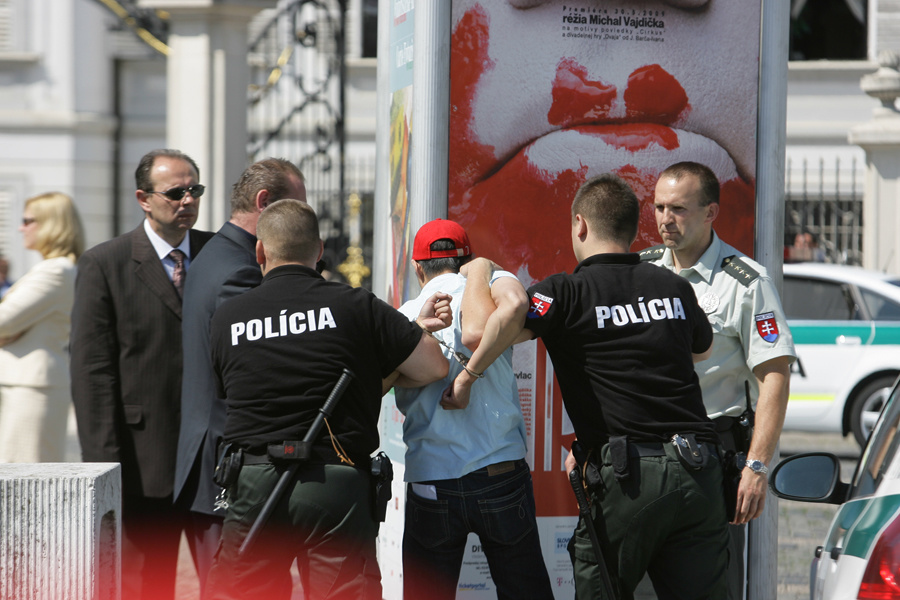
[622, 338]
[278, 351]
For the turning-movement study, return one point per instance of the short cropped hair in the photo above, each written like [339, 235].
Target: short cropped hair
[435, 266]
[709, 183]
[289, 231]
[142, 173]
[610, 208]
[59, 230]
[272, 174]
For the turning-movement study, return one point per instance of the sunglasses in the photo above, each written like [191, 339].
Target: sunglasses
[177, 193]
[26, 221]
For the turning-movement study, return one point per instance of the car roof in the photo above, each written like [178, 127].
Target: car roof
[887, 284]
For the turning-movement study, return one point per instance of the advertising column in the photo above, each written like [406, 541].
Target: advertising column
[543, 95]
[546, 94]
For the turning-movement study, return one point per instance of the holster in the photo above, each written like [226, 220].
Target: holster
[618, 454]
[587, 460]
[382, 475]
[742, 430]
[734, 434]
[229, 466]
[732, 467]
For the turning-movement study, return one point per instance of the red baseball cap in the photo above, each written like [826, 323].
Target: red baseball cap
[440, 229]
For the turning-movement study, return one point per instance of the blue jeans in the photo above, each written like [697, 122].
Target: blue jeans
[500, 510]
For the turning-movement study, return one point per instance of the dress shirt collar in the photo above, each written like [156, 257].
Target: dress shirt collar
[705, 266]
[162, 247]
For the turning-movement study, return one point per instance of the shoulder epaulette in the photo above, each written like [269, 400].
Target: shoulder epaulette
[652, 253]
[739, 269]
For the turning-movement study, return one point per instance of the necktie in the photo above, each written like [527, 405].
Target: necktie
[179, 272]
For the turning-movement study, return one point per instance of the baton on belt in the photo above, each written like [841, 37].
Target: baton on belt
[585, 511]
[278, 491]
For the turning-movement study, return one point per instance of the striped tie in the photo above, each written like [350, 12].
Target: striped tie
[178, 273]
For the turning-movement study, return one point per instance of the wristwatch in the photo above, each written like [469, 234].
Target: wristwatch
[757, 466]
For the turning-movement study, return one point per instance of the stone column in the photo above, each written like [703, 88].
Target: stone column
[206, 99]
[880, 138]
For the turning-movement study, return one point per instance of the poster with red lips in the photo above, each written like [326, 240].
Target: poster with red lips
[545, 94]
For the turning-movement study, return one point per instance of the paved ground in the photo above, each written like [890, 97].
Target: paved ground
[801, 526]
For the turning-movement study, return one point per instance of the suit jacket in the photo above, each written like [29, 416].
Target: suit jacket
[126, 360]
[40, 305]
[226, 268]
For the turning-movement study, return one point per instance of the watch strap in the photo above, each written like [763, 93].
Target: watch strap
[757, 466]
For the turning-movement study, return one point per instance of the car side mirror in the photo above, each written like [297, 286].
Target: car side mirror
[809, 477]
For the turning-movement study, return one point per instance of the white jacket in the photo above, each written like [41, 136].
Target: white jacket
[40, 304]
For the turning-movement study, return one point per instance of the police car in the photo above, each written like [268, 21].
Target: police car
[860, 557]
[846, 327]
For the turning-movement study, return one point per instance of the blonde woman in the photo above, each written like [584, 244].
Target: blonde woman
[34, 335]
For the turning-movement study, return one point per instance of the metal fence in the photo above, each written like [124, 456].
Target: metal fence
[347, 224]
[297, 59]
[825, 198]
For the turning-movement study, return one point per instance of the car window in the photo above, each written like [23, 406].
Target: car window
[819, 300]
[881, 308]
[879, 451]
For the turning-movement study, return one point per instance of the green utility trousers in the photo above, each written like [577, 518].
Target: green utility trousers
[324, 520]
[664, 519]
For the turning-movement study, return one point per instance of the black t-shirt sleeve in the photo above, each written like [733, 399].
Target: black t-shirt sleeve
[543, 309]
[397, 335]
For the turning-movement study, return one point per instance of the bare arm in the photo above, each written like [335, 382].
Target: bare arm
[388, 382]
[426, 363]
[501, 330]
[774, 388]
[478, 303]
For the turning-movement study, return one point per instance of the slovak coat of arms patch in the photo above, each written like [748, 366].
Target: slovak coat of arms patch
[767, 326]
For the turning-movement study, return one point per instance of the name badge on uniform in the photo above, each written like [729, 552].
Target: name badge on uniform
[767, 327]
[540, 304]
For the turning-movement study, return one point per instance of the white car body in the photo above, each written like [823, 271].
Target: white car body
[848, 354]
[858, 558]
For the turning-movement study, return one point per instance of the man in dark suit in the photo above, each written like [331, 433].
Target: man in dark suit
[126, 363]
[227, 268]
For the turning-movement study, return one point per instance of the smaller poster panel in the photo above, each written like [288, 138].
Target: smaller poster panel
[390, 535]
[401, 61]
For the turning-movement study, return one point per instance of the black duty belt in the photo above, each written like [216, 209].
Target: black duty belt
[644, 449]
[255, 458]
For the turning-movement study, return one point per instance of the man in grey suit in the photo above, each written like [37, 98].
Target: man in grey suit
[226, 269]
[126, 363]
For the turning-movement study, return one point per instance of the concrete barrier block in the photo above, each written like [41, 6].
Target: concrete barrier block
[60, 531]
